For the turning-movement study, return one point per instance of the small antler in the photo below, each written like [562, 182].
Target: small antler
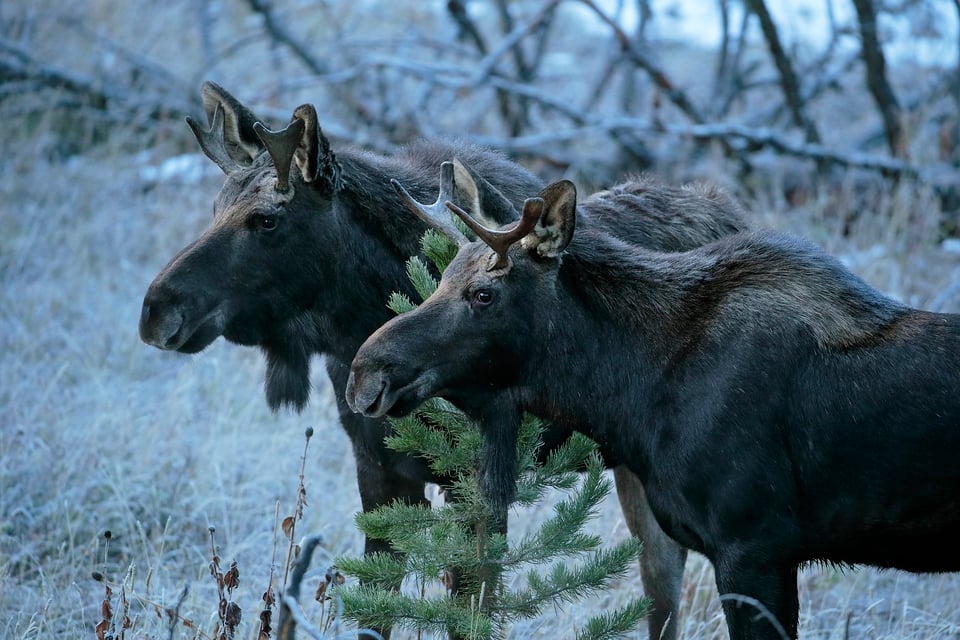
[435, 215]
[281, 146]
[501, 240]
[212, 142]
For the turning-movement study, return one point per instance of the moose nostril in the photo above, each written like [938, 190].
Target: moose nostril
[159, 326]
[351, 392]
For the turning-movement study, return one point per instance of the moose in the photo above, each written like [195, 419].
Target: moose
[306, 245]
[777, 409]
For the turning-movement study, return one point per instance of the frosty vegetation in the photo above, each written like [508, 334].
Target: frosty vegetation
[838, 122]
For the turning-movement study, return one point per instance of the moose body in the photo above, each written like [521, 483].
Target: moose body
[306, 247]
[777, 409]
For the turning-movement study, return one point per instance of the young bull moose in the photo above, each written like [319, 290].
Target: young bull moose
[777, 409]
[306, 246]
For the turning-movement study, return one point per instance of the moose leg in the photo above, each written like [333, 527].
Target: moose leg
[662, 561]
[760, 601]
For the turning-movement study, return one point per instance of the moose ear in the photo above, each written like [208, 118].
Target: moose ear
[313, 156]
[231, 141]
[483, 200]
[554, 229]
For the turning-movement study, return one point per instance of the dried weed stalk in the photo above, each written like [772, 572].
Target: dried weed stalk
[228, 611]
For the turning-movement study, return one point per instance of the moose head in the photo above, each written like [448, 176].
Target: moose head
[256, 236]
[305, 245]
[471, 335]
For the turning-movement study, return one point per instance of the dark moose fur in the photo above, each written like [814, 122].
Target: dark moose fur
[789, 412]
[309, 271]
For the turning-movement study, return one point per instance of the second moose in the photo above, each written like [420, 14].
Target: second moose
[777, 409]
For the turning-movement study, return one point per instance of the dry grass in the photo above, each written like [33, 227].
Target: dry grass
[100, 432]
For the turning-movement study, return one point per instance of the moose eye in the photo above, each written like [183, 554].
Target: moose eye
[482, 297]
[266, 223]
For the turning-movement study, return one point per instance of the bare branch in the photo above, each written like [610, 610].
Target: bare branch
[659, 77]
[516, 119]
[788, 78]
[756, 138]
[280, 33]
[737, 76]
[468, 29]
[876, 68]
[677, 96]
[23, 68]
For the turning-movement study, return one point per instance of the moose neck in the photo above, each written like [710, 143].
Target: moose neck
[374, 236]
[627, 310]
[645, 315]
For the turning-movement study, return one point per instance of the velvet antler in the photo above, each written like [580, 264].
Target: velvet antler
[212, 141]
[435, 215]
[281, 145]
[501, 240]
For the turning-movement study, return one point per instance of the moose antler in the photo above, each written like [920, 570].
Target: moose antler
[435, 215]
[281, 145]
[212, 142]
[501, 240]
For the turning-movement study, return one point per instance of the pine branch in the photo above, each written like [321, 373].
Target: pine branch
[563, 584]
[421, 278]
[451, 449]
[561, 533]
[435, 615]
[557, 471]
[383, 570]
[438, 248]
[608, 626]
[396, 521]
[399, 303]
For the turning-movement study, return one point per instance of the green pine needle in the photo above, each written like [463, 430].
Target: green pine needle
[431, 615]
[377, 570]
[608, 626]
[423, 281]
[399, 303]
[438, 248]
[462, 227]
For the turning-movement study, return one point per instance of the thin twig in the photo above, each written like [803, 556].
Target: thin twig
[660, 78]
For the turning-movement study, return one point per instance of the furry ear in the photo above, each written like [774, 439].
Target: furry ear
[484, 201]
[313, 156]
[554, 229]
[231, 141]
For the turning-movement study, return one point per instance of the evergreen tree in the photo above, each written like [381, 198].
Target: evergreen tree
[559, 561]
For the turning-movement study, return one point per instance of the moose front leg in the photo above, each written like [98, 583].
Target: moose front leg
[759, 600]
[662, 561]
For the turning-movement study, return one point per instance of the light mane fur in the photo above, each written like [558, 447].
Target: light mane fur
[755, 274]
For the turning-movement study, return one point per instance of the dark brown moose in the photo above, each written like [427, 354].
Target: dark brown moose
[777, 409]
[306, 246]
